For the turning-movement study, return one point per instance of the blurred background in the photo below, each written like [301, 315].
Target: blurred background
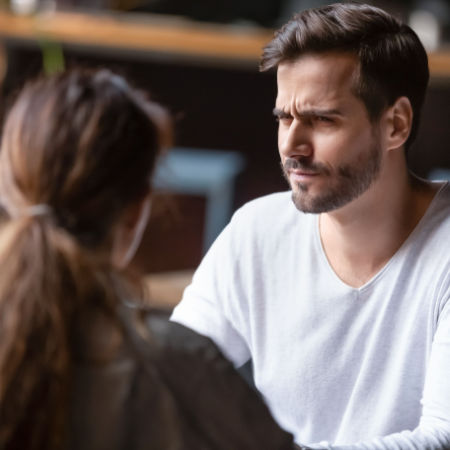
[200, 59]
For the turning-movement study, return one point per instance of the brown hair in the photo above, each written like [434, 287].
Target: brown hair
[392, 60]
[84, 144]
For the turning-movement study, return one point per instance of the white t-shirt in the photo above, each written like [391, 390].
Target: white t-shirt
[348, 368]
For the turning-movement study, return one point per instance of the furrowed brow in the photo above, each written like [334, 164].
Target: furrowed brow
[318, 112]
[308, 113]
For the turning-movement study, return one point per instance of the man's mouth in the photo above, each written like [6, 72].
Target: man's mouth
[301, 175]
[301, 172]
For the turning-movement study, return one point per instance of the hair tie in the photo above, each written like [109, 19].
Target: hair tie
[40, 209]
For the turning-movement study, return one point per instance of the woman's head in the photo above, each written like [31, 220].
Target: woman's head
[85, 144]
[77, 155]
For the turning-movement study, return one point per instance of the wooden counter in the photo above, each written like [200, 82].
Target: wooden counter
[152, 35]
[166, 289]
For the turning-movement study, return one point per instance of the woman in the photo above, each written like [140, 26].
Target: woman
[79, 366]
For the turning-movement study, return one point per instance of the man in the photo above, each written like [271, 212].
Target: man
[341, 297]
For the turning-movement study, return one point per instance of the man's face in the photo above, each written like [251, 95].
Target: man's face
[330, 151]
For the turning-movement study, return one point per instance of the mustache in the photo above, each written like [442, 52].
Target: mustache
[303, 164]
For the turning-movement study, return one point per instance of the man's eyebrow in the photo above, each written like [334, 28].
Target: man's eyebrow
[308, 113]
[277, 112]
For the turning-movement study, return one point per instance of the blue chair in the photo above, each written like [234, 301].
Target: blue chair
[439, 174]
[208, 173]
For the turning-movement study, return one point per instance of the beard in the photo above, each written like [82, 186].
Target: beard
[347, 183]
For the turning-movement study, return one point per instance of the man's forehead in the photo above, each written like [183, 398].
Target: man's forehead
[321, 67]
[317, 77]
[326, 58]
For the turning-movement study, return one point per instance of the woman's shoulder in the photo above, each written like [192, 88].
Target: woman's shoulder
[207, 386]
[174, 336]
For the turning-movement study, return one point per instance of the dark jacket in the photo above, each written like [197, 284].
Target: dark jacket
[142, 382]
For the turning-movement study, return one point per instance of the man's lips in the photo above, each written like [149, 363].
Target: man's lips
[297, 171]
[302, 175]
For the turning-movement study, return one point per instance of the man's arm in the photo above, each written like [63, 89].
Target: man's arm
[205, 306]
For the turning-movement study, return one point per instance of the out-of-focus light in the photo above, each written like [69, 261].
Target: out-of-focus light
[23, 7]
[426, 25]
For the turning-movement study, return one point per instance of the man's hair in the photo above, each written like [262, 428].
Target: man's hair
[392, 60]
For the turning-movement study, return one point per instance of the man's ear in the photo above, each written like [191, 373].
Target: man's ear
[399, 123]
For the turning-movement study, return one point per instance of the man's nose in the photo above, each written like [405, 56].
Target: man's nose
[295, 140]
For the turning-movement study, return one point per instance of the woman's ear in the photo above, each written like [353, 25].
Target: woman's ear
[399, 120]
[129, 231]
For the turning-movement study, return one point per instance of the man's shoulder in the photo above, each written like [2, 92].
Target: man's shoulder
[437, 217]
[425, 246]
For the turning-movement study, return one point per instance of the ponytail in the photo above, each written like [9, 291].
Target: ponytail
[45, 279]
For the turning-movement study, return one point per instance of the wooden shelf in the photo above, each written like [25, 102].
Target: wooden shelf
[147, 33]
[157, 34]
[439, 63]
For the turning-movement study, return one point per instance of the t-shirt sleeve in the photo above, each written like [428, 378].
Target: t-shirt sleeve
[214, 303]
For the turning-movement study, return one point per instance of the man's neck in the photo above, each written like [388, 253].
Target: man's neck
[360, 238]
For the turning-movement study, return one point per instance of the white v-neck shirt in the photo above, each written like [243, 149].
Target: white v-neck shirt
[351, 368]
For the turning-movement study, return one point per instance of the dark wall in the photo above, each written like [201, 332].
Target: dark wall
[432, 147]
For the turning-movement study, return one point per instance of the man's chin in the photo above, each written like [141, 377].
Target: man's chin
[303, 201]
[307, 203]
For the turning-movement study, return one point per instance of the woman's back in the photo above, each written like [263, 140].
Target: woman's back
[116, 403]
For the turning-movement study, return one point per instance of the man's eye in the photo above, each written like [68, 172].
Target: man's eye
[324, 119]
[284, 119]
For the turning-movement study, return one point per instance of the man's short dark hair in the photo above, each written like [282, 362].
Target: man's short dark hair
[392, 60]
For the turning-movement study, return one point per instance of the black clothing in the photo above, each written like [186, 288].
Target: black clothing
[162, 386]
